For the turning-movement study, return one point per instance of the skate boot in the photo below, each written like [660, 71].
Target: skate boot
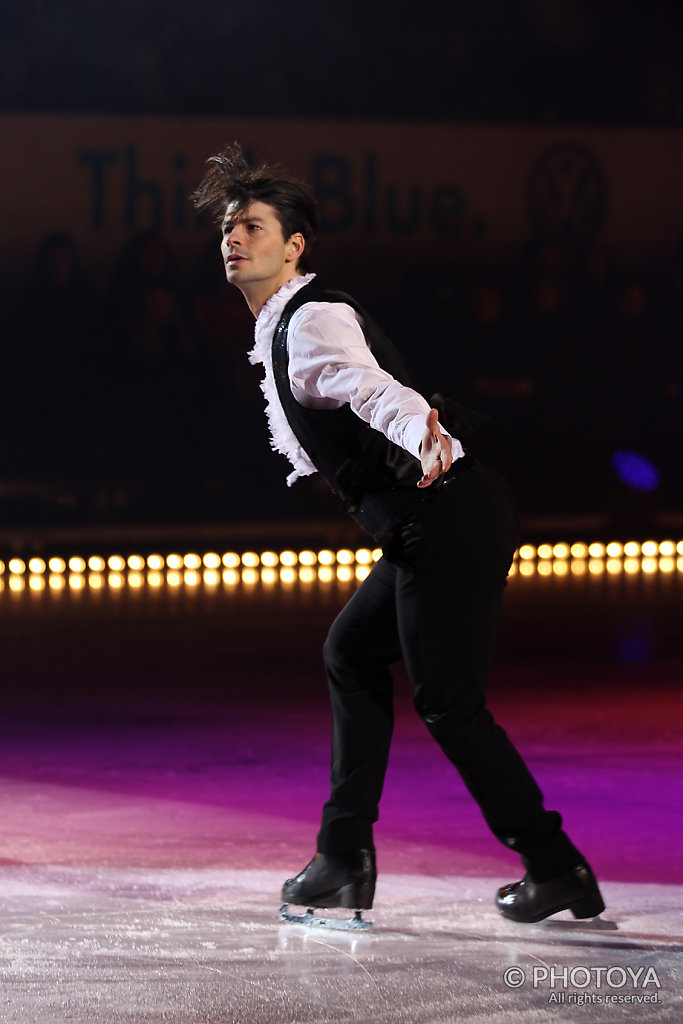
[329, 881]
[576, 890]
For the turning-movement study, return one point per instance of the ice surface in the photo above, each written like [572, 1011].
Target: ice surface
[114, 945]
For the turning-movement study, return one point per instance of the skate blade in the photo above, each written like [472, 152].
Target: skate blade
[353, 924]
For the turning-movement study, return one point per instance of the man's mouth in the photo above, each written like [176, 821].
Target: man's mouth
[234, 258]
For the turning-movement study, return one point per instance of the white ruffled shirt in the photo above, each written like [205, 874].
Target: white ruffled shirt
[331, 365]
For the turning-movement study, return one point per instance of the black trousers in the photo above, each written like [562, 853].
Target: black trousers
[434, 599]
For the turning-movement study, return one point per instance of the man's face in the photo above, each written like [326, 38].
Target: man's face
[255, 251]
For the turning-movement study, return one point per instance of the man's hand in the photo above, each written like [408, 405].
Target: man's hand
[435, 451]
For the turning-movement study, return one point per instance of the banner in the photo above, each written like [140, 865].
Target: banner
[419, 192]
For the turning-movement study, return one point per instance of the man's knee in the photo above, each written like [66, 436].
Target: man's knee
[338, 653]
[462, 722]
[352, 662]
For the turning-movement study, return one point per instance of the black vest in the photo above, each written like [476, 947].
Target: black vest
[375, 479]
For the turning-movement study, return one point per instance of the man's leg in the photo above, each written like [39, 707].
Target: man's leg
[448, 601]
[361, 645]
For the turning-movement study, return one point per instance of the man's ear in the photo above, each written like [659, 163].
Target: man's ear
[296, 244]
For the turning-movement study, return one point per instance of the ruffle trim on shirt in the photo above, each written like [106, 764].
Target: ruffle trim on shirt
[282, 437]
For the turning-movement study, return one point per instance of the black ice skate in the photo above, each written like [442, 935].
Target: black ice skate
[330, 881]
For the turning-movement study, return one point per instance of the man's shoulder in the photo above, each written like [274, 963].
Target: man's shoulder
[318, 303]
[318, 293]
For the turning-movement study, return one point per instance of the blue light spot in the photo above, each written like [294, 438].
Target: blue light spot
[634, 470]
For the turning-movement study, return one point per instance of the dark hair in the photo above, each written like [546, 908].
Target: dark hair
[229, 180]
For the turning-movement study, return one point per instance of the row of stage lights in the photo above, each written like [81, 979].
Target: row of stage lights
[325, 566]
[633, 557]
[191, 569]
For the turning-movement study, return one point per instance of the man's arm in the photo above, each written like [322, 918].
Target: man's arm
[330, 365]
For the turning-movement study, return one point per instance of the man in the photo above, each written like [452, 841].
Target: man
[339, 402]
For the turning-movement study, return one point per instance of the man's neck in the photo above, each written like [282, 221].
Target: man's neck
[258, 293]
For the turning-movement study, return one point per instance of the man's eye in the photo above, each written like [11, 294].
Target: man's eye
[254, 227]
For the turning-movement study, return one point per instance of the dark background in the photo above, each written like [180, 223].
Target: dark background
[196, 449]
[589, 61]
